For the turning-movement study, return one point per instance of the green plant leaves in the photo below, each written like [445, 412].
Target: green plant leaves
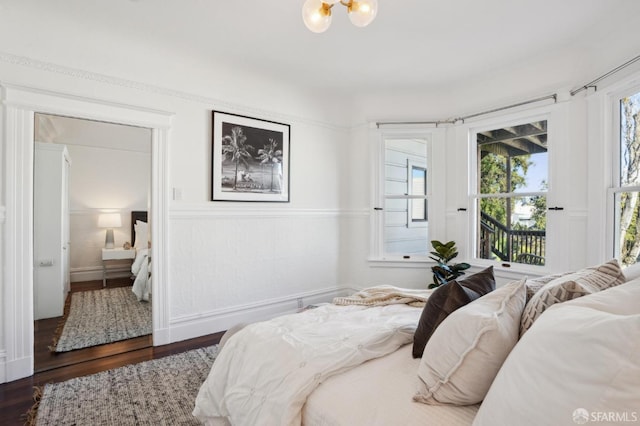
[443, 254]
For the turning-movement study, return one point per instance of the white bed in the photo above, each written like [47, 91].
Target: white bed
[141, 267]
[353, 365]
[265, 372]
[379, 393]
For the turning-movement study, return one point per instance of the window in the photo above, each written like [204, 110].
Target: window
[511, 193]
[627, 180]
[404, 197]
[417, 180]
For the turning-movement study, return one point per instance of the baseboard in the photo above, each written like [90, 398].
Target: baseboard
[18, 369]
[161, 337]
[3, 366]
[191, 326]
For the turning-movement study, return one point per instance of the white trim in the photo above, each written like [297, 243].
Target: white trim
[20, 104]
[548, 113]
[18, 243]
[159, 90]
[3, 366]
[377, 136]
[51, 102]
[190, 326]
[3, 214]
[612, 126]
[212, 211]
[159, 219]
[417, 262]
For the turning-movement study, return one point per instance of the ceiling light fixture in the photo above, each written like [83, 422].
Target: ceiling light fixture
[316, 14]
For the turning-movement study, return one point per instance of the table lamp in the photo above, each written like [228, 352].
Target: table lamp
[109, 221]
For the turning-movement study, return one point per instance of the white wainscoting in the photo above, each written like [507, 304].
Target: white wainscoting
[190, 326]
[250, 263]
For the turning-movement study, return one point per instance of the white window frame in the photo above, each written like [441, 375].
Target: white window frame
[612, 117]
[553, 231]
[435, 147]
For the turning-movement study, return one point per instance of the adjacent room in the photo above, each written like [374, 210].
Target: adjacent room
[91, 282]
[404, 209]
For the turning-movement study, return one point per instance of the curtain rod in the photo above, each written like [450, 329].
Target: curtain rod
[554, 97]
[466, 117]
[531, 101]
[603, 76]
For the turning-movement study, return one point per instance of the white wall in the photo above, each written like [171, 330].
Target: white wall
[103, 180]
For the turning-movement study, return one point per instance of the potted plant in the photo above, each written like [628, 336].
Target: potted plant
[443, 254]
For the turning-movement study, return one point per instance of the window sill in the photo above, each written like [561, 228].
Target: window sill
[514, 271]
[511, 271]
[399, 262]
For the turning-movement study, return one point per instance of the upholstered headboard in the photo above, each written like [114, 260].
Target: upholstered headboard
[136, 215]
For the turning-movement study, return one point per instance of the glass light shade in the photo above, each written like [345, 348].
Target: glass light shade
[109, 220]
[363, 12]
[315, 17]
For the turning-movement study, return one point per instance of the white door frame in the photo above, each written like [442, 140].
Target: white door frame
[20, 104]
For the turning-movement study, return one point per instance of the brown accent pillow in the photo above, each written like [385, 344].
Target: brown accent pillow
[446, 299]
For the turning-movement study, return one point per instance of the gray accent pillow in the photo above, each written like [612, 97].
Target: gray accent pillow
[571, 286]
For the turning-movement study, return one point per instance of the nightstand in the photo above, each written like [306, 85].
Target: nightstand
[114, 254]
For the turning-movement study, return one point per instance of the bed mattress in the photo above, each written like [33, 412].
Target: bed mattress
[379, 393]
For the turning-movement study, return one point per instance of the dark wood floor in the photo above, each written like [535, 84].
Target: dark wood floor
[17, 397]
[44, 330]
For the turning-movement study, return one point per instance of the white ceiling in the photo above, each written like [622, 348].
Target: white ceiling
[412, 45]
[94, 134]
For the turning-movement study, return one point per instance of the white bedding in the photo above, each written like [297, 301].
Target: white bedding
[140, 268]
[379, 393]
[265, 372]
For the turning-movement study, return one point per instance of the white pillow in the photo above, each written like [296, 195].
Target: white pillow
[578, 362]
[632, 272]
[465, 352]
[142, 234]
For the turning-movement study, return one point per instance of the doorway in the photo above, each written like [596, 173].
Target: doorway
[105, 177]
[20, 105]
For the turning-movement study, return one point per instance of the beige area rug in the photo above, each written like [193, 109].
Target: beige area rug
[103, 316]
[158, 392]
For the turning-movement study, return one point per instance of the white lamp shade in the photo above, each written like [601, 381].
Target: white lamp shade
[363, 12]
[109, 220]
[314, 16]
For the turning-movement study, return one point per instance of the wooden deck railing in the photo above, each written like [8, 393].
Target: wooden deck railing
[511, 245]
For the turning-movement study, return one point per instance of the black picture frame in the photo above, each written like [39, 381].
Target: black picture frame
[249, 159]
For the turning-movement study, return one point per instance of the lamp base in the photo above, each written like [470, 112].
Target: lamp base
[108, 241]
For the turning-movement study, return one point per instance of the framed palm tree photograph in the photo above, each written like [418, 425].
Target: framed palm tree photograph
[250, 159]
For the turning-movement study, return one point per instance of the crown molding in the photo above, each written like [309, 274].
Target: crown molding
[25, 61]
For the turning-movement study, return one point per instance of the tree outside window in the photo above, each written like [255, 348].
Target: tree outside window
[627, 194]
[512, 186]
